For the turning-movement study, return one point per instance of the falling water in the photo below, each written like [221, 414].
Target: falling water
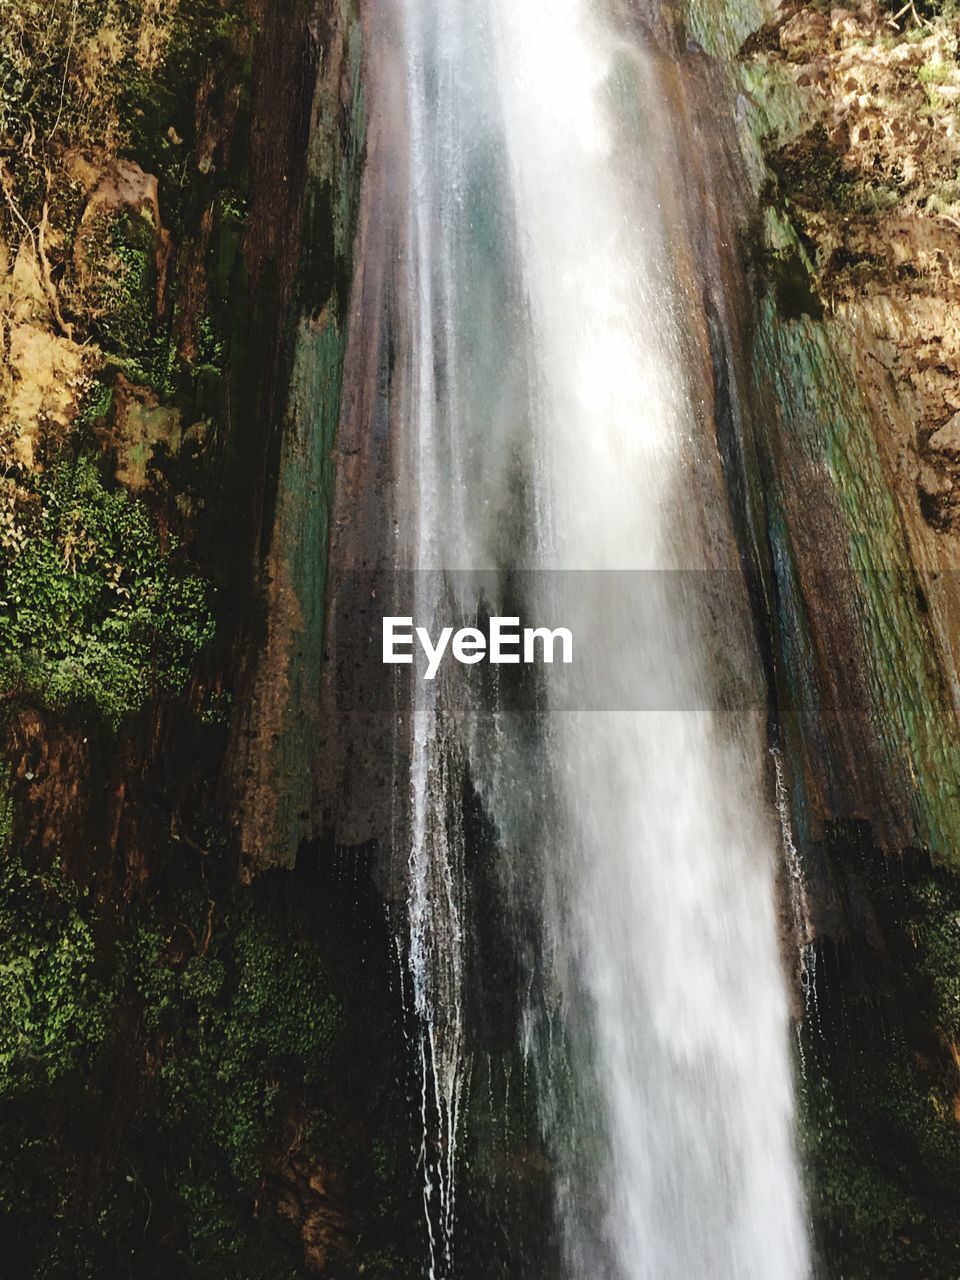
[549, 425]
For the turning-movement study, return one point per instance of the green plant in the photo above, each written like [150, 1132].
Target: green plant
[93, 608]
[210, 346]
[55, 1012]
[257, 1009]
[96, 402]
[936, 72]
[128, 290]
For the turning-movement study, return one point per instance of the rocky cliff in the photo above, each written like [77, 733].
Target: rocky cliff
[179, 1091]
[191, 968]
[835, 191]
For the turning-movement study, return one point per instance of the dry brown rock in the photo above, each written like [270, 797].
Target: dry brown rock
[932, 481]
[807, 27]
[113, 187]
[946, 439]
[309, 1198]
[40, 384]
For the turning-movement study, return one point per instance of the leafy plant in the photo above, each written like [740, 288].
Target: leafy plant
[93, 609]
[54, 1010]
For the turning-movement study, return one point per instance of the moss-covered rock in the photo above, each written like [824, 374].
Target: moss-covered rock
[841, 468]
[880, 1090]
[199, 1076]
[186, 1084]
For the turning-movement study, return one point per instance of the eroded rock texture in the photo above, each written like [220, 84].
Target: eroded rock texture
[842, 478]
[179, 1036]
[190, 968]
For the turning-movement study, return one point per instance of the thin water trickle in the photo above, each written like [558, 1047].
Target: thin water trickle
[547, 424]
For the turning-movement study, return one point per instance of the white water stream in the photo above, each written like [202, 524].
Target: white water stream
[548, 425]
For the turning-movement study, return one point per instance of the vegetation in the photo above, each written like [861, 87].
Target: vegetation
[879, 1093]
[122, 265]
[94, 610]
[234, 1014]
[54, 1005]
[101, 73]
[178, 1050]
[161, 1066]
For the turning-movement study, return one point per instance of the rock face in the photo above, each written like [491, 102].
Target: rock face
[309, 1198]
[115, 191]
[271, 761]
[178, 1039]
[184, 1006]
[836, 183]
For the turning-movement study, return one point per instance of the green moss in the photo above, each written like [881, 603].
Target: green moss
[54, 1008]
[881, 1088]
[722, 29]
[241, 1012]
[94, 610]
[179, 1052]
[806, 368]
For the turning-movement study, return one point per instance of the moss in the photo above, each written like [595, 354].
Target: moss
[807, 368]
[54, 1006]
[94, 610]
[178, 1052]
[810, 171]
[880, 1094]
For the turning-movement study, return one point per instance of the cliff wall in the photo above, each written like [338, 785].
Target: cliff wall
[179, 1036]
[835, 192]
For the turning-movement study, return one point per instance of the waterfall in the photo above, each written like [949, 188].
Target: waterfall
[549, 425]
